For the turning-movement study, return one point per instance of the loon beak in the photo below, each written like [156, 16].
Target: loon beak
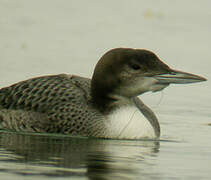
[178, 77]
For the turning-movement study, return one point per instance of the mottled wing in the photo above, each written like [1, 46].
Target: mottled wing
[48, 103]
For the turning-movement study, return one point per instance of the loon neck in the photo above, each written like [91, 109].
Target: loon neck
[114, 103]
[106, 102]
[104, 97]
[103, 103]
[100, 95]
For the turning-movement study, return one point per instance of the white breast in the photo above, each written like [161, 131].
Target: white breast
[128, 123]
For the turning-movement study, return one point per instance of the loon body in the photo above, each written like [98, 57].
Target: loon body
[105, 106]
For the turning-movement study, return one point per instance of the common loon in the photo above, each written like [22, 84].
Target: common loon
[105, 106]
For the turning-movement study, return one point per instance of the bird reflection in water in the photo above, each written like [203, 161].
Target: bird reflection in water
[64, 156]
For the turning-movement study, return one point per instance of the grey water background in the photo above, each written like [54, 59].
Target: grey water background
[60, 36]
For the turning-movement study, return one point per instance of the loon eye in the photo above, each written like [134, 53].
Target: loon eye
[135, 66]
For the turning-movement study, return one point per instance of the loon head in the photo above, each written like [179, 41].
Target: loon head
[127, 73]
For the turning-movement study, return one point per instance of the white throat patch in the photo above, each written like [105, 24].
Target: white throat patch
[128, 122]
